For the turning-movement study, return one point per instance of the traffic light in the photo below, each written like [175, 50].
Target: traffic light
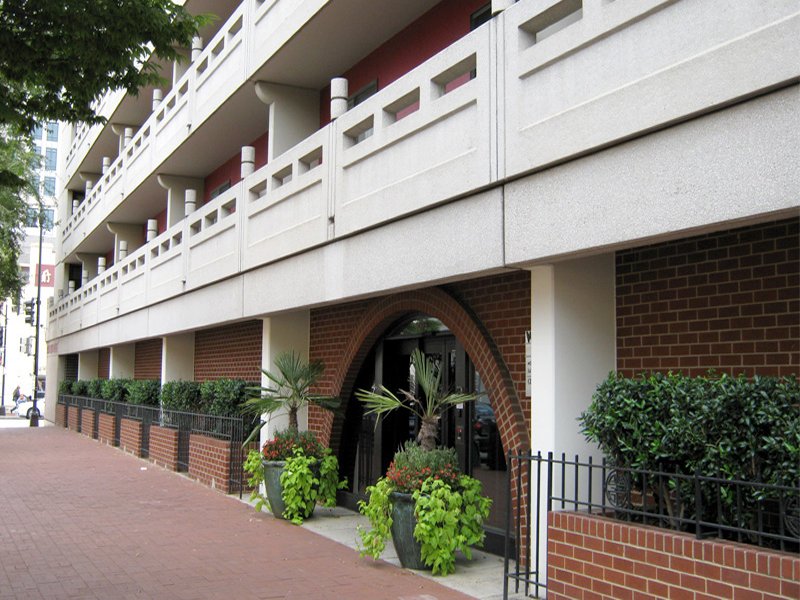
[30, 311]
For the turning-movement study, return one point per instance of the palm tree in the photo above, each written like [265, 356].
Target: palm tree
[428, 406]
[289, 388]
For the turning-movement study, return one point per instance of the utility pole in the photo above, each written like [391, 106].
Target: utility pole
[34, 422]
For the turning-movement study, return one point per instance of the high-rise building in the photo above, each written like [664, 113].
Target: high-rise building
[534, 193]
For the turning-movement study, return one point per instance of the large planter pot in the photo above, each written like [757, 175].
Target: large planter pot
[272, 483]
[409, 550]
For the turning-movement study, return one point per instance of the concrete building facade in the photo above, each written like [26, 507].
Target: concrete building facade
[535, 193]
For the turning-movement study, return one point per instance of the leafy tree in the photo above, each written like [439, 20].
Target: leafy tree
[16, 182]
[59, 56]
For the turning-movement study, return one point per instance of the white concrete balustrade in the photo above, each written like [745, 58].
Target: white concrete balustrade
[543, 82]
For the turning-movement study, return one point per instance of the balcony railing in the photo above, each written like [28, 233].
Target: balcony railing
[537, 85]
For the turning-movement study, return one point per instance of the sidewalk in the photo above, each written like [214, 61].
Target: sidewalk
[84, 520]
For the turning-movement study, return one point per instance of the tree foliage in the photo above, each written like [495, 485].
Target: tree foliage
[59, 56]
[16, 182]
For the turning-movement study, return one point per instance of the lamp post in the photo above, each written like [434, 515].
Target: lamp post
[4, 306]
[34, 422]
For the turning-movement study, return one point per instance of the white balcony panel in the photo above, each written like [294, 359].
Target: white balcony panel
[89, 311]
[108, 300]
[213, 240]
[132, 282]
[274, 22]
[287, 203]
[138, 157]
[171, 120]
[394, 159]
[166, 265]
[220, 69]
[615, 70]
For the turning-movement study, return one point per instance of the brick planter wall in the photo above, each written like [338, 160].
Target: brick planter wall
[130, 436]
[105, 428]
[72, 418]
[61, 415]
[209, 461]
[87, 423]
[164, 447]
[595, 557]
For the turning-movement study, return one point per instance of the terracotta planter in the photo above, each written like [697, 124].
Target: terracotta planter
[272, 483]
[408, 549]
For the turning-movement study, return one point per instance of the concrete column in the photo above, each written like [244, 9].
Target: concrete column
[75, 205]
[293, 115]
[89, 187]
[123, 360]
[157, 97]
[189, 202]
[106, 164]
[280, 334]
[123, 249]
[248, 161]
[71, 286]
[573, 347]
[152, 230]
[176, 187]
[101, 264]
[127, 136]
[87, 364]
[338, 97]
[197, 47]
[177, 358]
[56, 369]
[90, 265]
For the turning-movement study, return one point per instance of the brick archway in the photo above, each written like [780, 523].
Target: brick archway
[466, 327]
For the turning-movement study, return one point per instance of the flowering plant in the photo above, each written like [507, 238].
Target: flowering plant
[412, 466]
[282, 446]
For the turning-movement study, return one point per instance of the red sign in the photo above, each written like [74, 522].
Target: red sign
[48, 275]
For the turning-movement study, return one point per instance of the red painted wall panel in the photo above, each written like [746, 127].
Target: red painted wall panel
[231, 169]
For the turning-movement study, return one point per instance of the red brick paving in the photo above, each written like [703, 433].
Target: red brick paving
[83, 520]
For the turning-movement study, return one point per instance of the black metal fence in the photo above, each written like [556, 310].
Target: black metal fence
[706, 506]
[230, 429]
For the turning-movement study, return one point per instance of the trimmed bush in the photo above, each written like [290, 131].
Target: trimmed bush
[223, 397]
[182, 396]
[739, 428]
[65, 387]
[94, 389]
[144, 391]
[79, 387]
[115, 390]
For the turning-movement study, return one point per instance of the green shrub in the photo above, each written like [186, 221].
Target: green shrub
[144, 391]
[223, 397]
[115, 390]
[79, 387]
[739, 428]
[94, 388]
[182, 396]
[65, 387]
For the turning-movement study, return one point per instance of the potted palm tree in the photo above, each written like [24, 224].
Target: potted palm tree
[296, 469]
[429, 508]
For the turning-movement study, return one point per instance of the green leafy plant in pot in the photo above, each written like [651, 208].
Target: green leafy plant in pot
[296, 469]
[428, 507]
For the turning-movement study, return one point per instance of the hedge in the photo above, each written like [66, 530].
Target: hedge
[144, 391]
[183, 396]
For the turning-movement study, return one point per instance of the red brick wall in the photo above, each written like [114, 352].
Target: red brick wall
[130, 436]
[593, 557]
[728, 301]
[229, 351]
[147, 359]
[87, 423]
[163, 449]
[105, 428]
[209, 461]
[72, 418]
[61, 415]
[502, 303]
[104, 363]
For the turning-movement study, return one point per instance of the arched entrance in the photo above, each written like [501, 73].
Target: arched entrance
[378, 353]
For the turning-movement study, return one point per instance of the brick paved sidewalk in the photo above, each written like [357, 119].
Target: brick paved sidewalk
[84, 520]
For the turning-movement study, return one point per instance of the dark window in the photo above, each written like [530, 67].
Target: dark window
[50, 159]
[50, 186]
[37, 132]
[362, 94]
[220, 190]
[480, 16]
[52, 132]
